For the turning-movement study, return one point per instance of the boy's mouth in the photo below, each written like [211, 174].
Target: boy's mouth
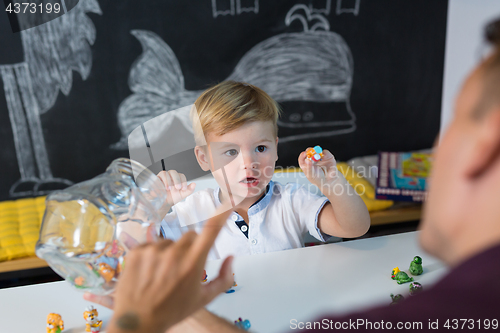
[249, 181]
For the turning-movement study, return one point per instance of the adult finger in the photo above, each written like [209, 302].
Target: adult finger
[182, 244]
[222, 283]
[161, 244]
[206, 239]
[106, 301]
[174, 255]
[129, 241]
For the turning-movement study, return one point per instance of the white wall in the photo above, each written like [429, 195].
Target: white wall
[464, 46]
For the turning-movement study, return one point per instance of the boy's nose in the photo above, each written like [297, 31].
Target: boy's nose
[248, 161]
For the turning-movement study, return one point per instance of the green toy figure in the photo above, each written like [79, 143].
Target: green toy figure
[396, 298]
[400, 277]
[416, 266]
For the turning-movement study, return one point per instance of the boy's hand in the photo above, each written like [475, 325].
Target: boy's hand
[176, 186]
[322, 173]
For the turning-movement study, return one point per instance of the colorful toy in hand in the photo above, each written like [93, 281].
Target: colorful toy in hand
[55, 324]
[243, 324]
[415, 288]
[400, 277]
[205, 276]
[396, 298]
[314, 154]
[93, 323]
[416, 266]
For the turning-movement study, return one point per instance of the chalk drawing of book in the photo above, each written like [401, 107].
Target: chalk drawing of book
[51, 52]
[314, 65]
[229, 7]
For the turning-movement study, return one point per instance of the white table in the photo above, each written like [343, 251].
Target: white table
[273, 288]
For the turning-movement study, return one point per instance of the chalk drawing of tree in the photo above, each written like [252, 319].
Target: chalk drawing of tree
[52, 51]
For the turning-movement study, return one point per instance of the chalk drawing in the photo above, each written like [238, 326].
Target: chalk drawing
[228, 7]
[294, 14]
[352, 7]
[252, 6]
[313, 65]
[51, 52]
[157, 84]
[315, 8]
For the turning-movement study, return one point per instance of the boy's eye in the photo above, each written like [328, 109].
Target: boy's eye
[231, 152]
[261, 149]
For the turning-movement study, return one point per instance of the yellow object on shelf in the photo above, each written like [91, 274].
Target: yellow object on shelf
[363, 187]
[20, 222]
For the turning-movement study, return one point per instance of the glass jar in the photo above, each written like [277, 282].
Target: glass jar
[88, 228]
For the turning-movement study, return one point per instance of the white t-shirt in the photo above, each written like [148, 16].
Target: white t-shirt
[278, 221]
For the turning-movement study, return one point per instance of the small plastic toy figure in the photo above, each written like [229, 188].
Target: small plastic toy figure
[315, 154]
[93, 323]
[55, 324]
[106, 271]
[231, 290]
[415, 288]
[243, 324]
[416, 266]
[116, 250]
[205, 276]
[396, 298]
[79, 281]
[400, 277]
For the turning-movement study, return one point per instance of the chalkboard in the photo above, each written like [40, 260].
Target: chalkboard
[354, 76]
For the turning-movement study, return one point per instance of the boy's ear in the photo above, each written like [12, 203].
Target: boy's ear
[486, 146]
[201, 153]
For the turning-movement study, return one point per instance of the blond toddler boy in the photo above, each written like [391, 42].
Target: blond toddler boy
[236, 133]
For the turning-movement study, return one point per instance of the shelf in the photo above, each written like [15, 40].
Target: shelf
[22, 264]
[396, 215]
[388, 216]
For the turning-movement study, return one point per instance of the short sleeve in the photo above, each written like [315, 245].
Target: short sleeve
[307, 206]
[189, 214]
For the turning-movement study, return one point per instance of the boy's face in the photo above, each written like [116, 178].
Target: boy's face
[242, 161]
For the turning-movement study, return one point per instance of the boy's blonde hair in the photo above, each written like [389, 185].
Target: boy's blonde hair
[228, 105]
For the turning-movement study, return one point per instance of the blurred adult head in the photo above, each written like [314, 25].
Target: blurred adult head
[462, 215]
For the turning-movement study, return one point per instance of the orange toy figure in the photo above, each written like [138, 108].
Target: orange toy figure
[93, 324]
[106, 271]
[315, 154]
[79, 281]
[55, 324]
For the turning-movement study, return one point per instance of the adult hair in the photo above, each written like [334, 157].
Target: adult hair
[490, 97]
[228, 105]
